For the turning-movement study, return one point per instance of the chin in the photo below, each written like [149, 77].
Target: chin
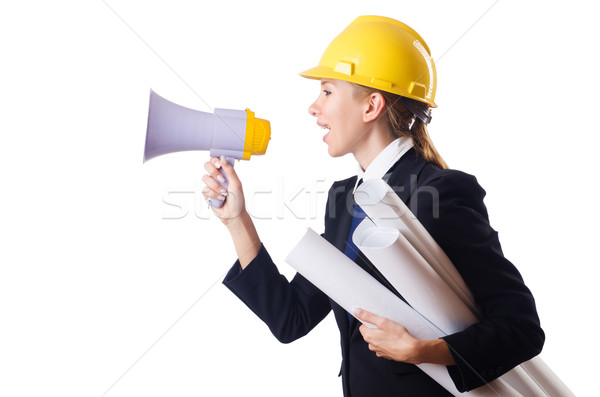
[336, 151]
[332, 152]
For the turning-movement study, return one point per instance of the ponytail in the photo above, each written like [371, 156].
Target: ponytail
[424, 145]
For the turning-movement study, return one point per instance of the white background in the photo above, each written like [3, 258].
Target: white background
[104, 292]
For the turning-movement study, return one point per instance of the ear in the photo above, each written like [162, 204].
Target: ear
[374, 106]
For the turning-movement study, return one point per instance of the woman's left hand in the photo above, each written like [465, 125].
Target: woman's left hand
[392, 341]
[389, 340]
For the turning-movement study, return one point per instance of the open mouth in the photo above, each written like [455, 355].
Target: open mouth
[328, 128]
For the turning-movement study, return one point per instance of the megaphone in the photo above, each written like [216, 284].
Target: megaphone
[235, 134]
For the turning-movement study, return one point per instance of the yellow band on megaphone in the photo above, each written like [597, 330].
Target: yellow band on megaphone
[258, 133]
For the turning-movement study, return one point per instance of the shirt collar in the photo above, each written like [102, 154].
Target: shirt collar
[384, 160]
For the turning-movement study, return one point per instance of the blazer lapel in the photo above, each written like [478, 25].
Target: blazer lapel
[345, 206]
[339, 223]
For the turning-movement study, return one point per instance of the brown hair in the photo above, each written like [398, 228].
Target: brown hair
[400, 122]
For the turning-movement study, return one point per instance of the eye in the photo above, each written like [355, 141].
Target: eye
[326, 92]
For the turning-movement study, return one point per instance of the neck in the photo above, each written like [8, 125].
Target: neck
[377, 140]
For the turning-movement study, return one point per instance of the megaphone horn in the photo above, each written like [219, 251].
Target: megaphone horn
[235, 134]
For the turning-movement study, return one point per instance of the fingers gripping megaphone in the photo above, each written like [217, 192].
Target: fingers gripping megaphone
[235, 134]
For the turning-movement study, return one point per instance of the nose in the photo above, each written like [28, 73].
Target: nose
[313, 109]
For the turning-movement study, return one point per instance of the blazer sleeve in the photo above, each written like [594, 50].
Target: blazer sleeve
[450, 206]
[290, 309]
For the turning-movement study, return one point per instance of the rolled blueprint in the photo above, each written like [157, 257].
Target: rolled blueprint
[351, 287]
[546, 378]
[403, 266]
[387, 211]
[383, 206]
[407, 271]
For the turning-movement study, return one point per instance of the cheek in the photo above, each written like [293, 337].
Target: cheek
[352, 112]
[354, 127]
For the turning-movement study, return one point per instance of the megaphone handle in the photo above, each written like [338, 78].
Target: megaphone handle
[219, 203]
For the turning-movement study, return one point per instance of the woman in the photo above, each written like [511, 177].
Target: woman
[377, 89]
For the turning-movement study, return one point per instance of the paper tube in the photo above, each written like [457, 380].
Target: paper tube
[383, 206]
[385, 209]
[351, 287]
[546, 378]
[410, 274]
[425, 290]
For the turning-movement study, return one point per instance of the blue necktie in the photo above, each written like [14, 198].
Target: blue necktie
[351, 251]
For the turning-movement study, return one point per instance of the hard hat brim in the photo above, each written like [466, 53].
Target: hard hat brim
[324, 72]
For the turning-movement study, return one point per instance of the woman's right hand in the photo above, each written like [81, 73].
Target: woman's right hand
[233, 213]
[234, 205]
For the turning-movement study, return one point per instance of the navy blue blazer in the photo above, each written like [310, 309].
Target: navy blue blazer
[450, 206]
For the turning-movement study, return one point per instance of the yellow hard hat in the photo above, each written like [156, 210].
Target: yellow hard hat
[381, 53]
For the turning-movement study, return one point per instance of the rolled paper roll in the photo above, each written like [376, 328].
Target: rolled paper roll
[351, 287]
[383, 206]
[546, 378]
[416, 266]
[410, 274]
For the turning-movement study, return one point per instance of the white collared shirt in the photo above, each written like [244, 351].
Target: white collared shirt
[384, 160]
